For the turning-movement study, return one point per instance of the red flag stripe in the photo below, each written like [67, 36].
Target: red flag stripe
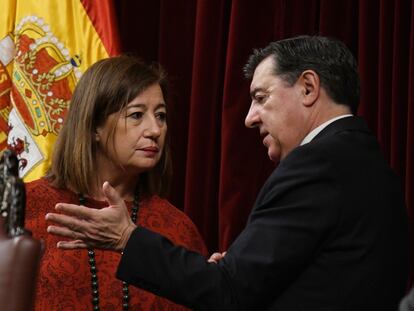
[102, 15]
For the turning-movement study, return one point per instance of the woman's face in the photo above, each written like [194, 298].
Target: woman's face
[139, 132]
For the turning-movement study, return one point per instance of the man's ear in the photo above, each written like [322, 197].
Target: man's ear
[310, 84]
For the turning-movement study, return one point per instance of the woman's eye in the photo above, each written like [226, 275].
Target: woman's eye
[162, 116]
[136, 115]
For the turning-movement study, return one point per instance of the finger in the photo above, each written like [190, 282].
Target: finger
[72, 244]
[215, 257]
[112, 196]
[68, 221]
[64, 232]
[75, 210]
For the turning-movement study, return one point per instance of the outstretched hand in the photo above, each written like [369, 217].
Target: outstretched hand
[107, 228]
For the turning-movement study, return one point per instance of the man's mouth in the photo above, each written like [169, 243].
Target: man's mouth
[265, 135]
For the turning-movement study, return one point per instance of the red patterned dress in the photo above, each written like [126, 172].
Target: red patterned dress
[64, 281]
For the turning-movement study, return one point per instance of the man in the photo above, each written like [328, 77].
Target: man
[328, 230]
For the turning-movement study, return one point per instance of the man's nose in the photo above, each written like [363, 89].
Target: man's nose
[252, 118]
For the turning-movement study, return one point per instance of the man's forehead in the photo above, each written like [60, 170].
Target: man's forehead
[264, 69]
[266, 66]
[262, 74]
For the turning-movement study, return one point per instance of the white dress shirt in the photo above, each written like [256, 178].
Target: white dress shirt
[311, 135]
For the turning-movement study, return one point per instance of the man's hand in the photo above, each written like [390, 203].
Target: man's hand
[107, 228]
[216, 257]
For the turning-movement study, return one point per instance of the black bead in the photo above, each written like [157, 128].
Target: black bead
[92, 262]
[82, 200]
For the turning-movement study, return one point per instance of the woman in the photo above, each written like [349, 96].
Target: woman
[116, 131]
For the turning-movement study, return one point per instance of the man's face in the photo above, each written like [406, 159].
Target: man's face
[276, 110]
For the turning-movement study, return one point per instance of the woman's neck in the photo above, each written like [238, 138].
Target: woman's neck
[126, 187]
[123, 181]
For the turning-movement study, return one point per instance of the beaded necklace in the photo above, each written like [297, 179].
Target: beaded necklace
[92, 262]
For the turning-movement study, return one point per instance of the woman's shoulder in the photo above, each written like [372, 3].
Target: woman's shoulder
[41, 191]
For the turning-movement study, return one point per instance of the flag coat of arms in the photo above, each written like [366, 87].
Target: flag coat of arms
[45, 46]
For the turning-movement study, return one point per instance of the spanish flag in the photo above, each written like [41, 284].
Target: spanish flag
[45, 46]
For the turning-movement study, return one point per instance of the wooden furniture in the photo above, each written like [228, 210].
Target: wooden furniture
[19, 253]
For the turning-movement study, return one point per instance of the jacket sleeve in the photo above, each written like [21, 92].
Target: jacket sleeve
[151, 262]
[292, 218]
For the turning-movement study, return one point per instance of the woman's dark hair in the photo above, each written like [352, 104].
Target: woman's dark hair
[105, 88]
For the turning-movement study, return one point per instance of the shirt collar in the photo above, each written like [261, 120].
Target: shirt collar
[311, 135]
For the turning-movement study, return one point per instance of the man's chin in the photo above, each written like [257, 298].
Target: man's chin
[273, 156]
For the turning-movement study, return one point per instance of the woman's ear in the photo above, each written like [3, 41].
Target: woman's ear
[97, 136]
[310, 84]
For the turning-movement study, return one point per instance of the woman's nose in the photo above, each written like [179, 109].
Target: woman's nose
[152, 129]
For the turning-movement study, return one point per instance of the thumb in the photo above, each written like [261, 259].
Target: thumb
[112, 196]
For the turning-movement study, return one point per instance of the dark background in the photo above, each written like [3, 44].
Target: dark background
[219, 165]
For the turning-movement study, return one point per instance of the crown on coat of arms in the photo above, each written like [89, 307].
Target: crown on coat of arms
[44, 76]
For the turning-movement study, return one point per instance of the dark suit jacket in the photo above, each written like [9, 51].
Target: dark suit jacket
[328, 232]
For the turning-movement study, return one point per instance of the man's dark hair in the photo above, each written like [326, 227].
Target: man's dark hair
[328, 57]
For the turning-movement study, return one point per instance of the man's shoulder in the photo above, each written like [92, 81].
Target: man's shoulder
[338, 151]
[341, 142]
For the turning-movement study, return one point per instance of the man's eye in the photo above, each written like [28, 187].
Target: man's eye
[260, 98]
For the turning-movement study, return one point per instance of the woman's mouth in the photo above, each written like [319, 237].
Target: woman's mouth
[150, 151]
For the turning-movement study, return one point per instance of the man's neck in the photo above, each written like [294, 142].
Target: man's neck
[323, 112]
[311, 135]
